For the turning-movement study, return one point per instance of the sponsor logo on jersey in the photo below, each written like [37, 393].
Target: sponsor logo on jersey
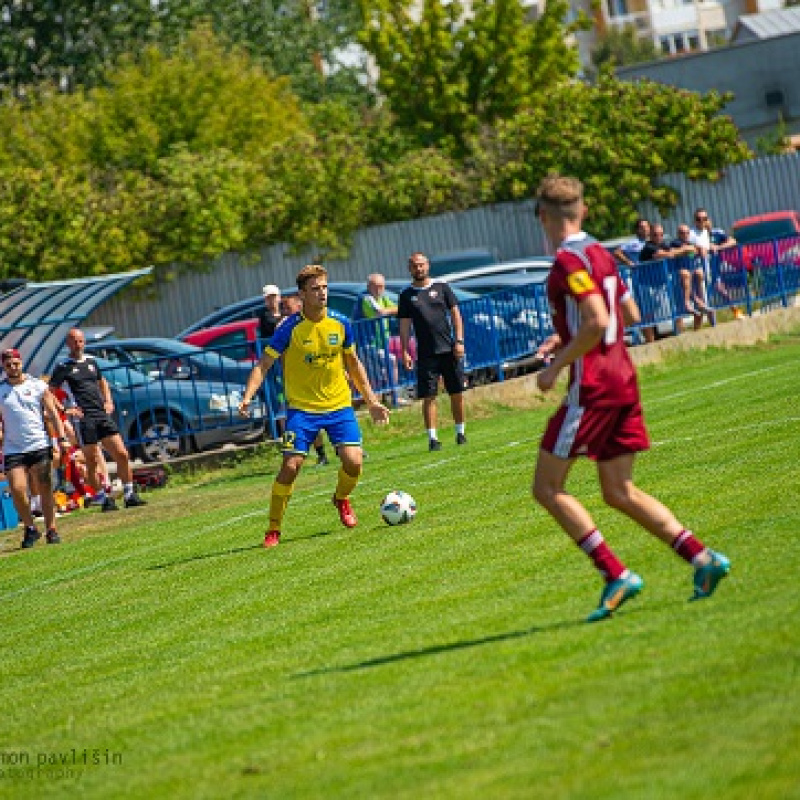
[333, 339]
[580, 282]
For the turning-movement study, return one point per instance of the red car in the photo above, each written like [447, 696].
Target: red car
[769, 239]
[238, 340]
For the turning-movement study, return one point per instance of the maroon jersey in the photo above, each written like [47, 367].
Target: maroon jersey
[605, 376]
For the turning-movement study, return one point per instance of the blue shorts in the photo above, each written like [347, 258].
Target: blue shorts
[302, 428]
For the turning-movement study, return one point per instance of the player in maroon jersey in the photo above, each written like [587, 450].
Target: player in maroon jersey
[601, 416]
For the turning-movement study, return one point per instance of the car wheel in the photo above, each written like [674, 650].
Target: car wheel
[161, 440]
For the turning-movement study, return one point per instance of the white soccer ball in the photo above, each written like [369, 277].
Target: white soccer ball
[398, 508]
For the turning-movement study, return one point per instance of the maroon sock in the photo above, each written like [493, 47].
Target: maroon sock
[609, 566]
[687, 546]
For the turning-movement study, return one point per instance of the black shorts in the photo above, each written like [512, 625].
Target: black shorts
[28, 460]
[446, 365]
[94, 429]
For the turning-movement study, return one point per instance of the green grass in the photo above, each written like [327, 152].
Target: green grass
[444, 659]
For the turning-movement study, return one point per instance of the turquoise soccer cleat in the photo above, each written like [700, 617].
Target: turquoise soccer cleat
[706, 578]
[615, 594]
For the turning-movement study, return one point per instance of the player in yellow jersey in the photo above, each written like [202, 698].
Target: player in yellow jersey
[318, 354]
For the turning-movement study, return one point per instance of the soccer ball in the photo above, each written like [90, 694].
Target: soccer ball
[398, 507]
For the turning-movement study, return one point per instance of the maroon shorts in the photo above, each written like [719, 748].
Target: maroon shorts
[600, 433]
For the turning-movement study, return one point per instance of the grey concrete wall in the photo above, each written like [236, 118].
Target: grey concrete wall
[750, 70]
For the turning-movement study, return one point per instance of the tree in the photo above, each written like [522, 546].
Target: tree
[68, 43]
[71, 43]
[618, 137]
[619, 48]
[445, 73]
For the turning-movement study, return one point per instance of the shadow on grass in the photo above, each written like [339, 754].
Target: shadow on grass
[437, 649]
[231, 551]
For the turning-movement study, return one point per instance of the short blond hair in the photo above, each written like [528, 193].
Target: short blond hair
[561, 196]
[308, 272]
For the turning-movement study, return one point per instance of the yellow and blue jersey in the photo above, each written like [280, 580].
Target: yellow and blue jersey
[313, 364]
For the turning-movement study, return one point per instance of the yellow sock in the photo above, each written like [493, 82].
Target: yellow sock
[281, 494]
[346, 483]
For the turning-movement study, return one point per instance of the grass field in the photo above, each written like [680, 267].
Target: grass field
[443, 659]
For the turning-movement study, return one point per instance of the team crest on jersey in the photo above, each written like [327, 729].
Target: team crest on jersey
[580, 282]
[333, 339]
[433, 293]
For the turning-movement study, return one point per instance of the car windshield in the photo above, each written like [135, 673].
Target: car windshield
[758, 231]
[463, 295]
[122, 377]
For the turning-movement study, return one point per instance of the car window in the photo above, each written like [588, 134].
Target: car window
[121, 377]
[758, 231]
[149, 361]
[458, 262]
[233, 344]
[344, 304]
[110, 354]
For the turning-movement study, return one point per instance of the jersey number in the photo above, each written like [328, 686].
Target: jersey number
[612, 331]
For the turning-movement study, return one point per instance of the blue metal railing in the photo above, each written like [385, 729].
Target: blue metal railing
[502, 332]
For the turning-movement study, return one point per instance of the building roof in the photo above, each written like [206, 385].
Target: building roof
[35, 318]
[767, 24]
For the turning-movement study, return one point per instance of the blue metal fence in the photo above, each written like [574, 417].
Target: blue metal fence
[502, 330]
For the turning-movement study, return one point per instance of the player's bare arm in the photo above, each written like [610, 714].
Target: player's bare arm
[622, 258]
[631, 315]
[50, 405]
[548, 346]
[257, 376]
[458, 329]
[405, 335]
[593, 324]
[357, 373]
[105, 393]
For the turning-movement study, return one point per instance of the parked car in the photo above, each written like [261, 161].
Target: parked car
[538, 266]
[774, 225]
[460, 260]
[239, 341]
[498, 282]
[343, 296]
[170, 358]
[235, 340]
[766, 240]
[161, 419]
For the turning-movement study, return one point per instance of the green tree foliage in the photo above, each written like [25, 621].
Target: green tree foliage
[445, 73]
[68, 43]
[71, 43]
[181, 155]
[155, 167]
[619, 48]
[303, 40]
[617, 137]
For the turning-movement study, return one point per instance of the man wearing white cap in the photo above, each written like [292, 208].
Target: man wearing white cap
[270, 315]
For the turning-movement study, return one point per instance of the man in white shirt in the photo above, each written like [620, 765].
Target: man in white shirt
[628, 253]
[24, 403]
[700, 237]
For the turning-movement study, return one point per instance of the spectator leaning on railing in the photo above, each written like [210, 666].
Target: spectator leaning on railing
[629, 253]
[727, 279]
[682, 247]
[651, 284]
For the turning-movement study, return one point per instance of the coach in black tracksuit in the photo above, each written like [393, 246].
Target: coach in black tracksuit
[439, 330]
[93, 407]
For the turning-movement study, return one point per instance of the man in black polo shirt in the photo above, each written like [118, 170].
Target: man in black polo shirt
[93, 407]
[439, 329]
[269, 315]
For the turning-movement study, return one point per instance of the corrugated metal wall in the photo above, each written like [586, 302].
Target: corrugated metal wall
[757, 186]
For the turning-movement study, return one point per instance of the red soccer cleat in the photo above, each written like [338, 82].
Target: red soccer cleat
[346, 513]
[272, 538]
